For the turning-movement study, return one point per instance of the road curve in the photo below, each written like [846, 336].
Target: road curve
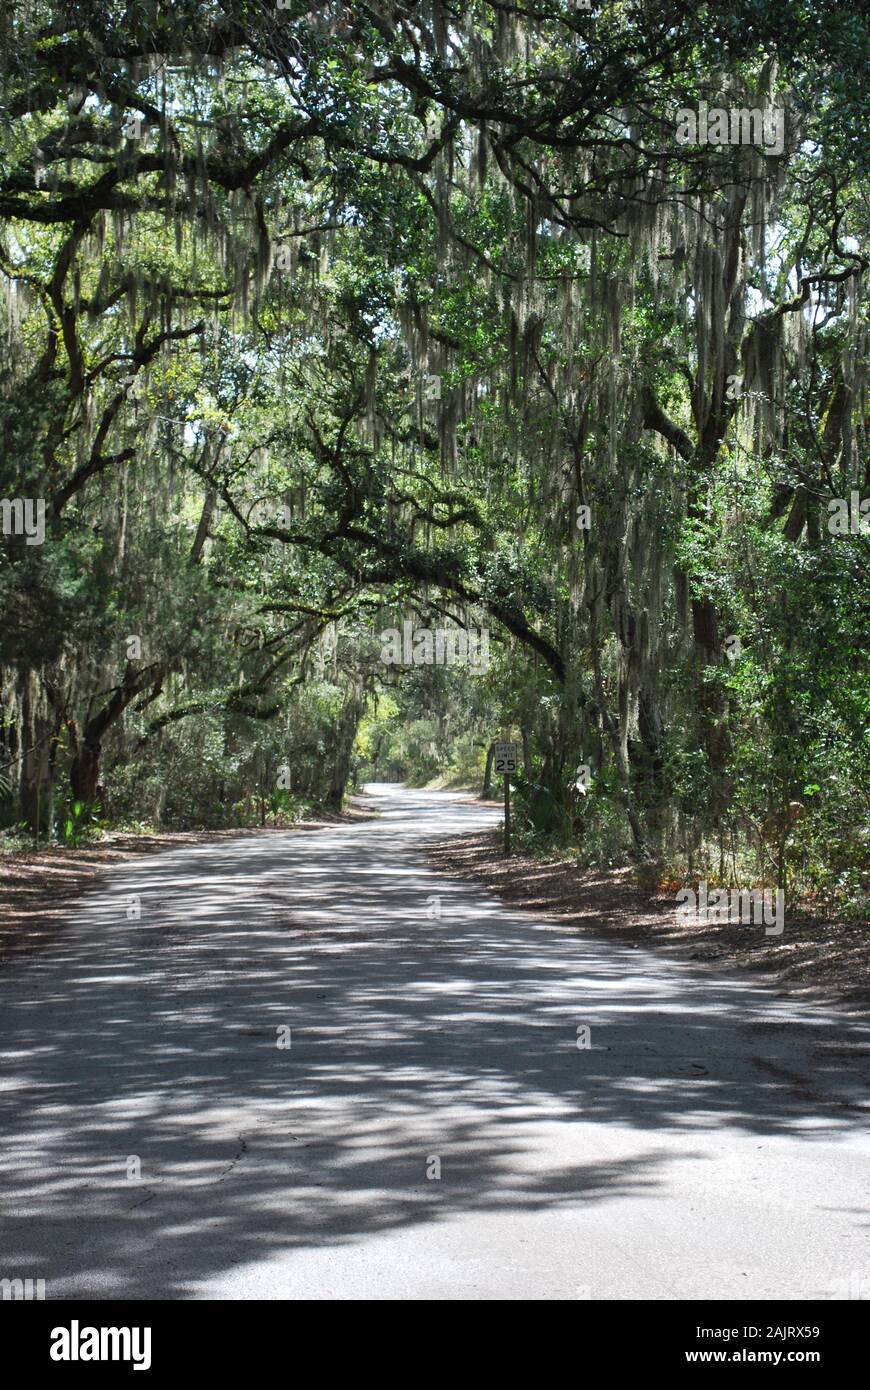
[156, 1141]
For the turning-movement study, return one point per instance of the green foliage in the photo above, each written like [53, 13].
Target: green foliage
[343, 338]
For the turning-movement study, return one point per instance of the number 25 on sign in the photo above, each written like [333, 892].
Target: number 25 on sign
[505, 759]
[505, 763]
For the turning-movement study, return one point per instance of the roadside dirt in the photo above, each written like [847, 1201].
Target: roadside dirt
[816, 958]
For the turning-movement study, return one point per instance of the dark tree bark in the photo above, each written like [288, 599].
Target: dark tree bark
[345, 735]
[486, 793]
[85, 770]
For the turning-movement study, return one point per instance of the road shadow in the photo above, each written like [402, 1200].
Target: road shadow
[424, 1023]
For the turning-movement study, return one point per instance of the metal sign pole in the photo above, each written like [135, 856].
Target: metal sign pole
[507, 814]
[505, 759]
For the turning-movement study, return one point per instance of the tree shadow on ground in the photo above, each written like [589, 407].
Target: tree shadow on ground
[424, 1023]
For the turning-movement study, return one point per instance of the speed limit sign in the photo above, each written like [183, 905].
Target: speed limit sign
[505, 759]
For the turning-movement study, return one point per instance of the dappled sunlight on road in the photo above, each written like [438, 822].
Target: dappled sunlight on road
[426, 1021]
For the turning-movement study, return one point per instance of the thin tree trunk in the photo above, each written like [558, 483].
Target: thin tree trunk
[486, 793]
[348, 725]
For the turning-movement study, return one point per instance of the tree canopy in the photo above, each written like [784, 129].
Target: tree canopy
[321, 319]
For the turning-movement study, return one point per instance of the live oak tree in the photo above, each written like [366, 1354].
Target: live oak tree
[320, 317]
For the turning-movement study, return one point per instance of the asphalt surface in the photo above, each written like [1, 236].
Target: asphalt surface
[156, 1141]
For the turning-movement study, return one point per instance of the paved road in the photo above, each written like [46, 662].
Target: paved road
[711, 1142]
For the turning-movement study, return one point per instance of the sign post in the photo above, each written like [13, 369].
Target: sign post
[507, 815]
[505, 757]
